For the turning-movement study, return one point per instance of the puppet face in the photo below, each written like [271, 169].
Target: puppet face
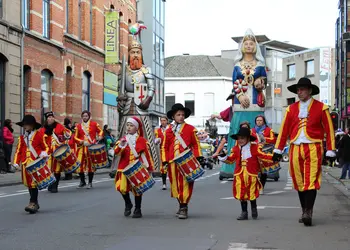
[131, 128]
[249, 47]
[242, 140]
[135, 56]
[202, 135]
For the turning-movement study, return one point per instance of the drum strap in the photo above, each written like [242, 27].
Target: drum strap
[133, 151]
[29, 145]
[179, 138]
[56, 138]
[86, 133]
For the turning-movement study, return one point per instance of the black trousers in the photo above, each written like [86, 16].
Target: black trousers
[33, 192]
[8, 154]
[263, 178]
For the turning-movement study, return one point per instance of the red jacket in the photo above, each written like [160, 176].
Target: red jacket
[23, 154]
[252, 164]
[172, 146]
[8, 136]
[268, 135]
[315, 126]
[93, 129]
[127, 157]
[62, 134]
[158, 133]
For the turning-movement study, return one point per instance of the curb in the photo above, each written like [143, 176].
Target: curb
[338, 184]
[14, 183]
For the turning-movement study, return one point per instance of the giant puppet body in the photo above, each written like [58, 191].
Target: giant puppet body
[136, 91]
[249, 81]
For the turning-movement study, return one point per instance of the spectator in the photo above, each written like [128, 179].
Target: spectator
[8, 142]
[3, 164]
[344, 148]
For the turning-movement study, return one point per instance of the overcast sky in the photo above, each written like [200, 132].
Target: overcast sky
[206, 26]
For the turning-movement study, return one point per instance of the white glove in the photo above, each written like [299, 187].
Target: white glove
[157, 141]
[222, 158]
[86, 144]
[331, 153]
[43, 154]
[15, 166]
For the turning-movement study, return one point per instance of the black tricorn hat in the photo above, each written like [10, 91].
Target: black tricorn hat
[243, 132]
[29, 120]
[304, 82]
[176, 107]
[48, 114]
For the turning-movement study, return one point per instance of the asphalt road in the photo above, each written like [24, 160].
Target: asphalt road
[93, 219]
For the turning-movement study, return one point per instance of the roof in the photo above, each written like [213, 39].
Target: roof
[198, 66]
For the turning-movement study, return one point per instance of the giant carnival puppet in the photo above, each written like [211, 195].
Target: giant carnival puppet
[249, 81]
[136, 90]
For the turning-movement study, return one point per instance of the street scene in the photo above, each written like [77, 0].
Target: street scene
[144, 124]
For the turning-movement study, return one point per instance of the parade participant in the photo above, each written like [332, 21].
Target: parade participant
[68, 124]
[55, 135]
[179, 137]
[265, 136]
[246, 185]
[130, 148]
[249, 81]
[159, 134]
[30, 146]
[87, 132]
[305, 123]
[136, 91]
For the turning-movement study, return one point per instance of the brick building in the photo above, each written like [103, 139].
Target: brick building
[64, 54]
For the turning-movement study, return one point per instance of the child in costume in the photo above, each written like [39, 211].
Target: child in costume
[131, 148]
[30, 147]
[179, 137]
[246, 184]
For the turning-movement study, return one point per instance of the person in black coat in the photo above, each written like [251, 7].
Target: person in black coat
[344, 149]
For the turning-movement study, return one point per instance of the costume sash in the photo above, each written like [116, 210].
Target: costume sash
[56, 138]
[133, 151]
[86, 133]
[179, 138]
[29, 145]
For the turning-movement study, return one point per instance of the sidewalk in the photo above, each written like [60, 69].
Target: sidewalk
[10, 179]
[332, 174]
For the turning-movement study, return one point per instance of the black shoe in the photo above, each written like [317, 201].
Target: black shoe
[183, 213]
[243, 216]
[49, 188]
[81, 185]
[254, 213]
[307, 218]
[137, 213]
[302, 215]
[127, 210]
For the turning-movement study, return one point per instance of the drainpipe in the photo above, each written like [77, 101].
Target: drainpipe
[22, 69]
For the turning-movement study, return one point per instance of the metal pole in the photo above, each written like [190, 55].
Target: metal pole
[22, 67]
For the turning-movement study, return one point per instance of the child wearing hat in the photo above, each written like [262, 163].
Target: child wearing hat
[131, 148]
[246, 184]
[179, 137]
[30, 146]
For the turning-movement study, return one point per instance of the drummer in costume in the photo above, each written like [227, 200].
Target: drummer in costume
[246, 185]
[159, 134]
[30, 146]
[179, 137]
[87, 132]
[55, 135]
[305, 123]
[131, 148]
[265, 137]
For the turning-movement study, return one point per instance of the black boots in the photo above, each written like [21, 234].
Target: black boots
[307, 201]
[91, 177]
[164, 181]
[244, 214]
[183, 212]
[82, 180]
[53, 188]
[128, 206]
[33, 205]
[302, 204]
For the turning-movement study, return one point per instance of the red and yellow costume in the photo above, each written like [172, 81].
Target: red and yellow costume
[24, 156]
[127, 157]
[246, 185]
[160, 133]
[306, 157]
[59, 136]
[180, 188]
[86, 132]
[268, 135]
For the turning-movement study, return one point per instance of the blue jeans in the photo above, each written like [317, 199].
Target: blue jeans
[346, 167]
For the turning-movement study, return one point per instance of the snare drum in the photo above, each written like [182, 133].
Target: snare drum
[139, 177]
[268, 148]
[66, 158]
[98, 156]
[188, 165]
[40, 173]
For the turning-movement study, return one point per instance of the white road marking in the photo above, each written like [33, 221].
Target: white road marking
[223, 182]
[288, 188]
[275, 192]
[263, 207]
[227, 198]
[21, 191]
[242, 246]
[2, 193]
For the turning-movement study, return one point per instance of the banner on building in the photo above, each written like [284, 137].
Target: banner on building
[110, 90]
[325, 76]
[111, 37]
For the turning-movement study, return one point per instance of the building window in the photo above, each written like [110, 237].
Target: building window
[46, 18]
[26, 73]
[86, 91]
[290, 101]
[189, 102]
[157, 9]
[161, 93]
[169, 101]
[161, 51]
[25, 13]
[46, 79]
[80, 18]
[69, 89]
[291, 71]
[1, 8]
[209, 103]
[162, 13]
[310, 67]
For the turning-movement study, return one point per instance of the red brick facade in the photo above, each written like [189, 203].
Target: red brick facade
[69, 52]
